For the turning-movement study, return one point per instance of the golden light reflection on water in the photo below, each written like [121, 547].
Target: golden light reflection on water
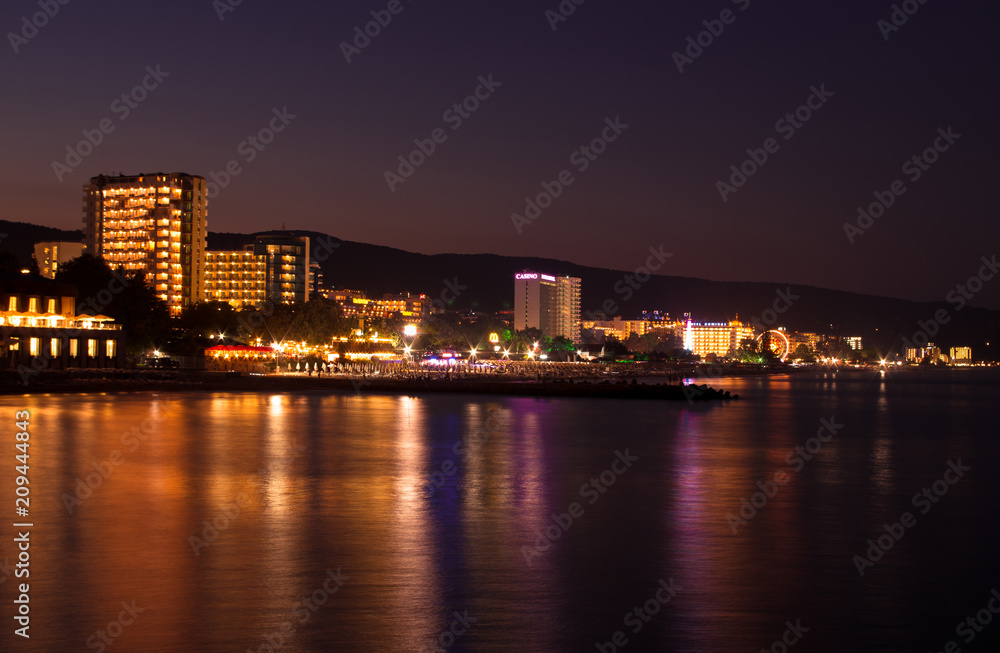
[341, 482]
[409, 549]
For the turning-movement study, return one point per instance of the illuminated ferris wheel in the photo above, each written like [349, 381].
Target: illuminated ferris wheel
[777, 342]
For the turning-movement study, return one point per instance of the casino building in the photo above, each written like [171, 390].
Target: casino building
[548, 303]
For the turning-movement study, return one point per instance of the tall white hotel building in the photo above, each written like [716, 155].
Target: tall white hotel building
[548, 303]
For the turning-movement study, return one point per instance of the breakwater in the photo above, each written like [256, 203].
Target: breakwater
[124, 381]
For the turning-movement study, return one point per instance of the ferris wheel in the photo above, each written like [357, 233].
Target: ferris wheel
[777, 342]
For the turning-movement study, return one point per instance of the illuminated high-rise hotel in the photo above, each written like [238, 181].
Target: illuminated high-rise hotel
[274, 268]
[236, 277]
[153, 222]
[548, 303]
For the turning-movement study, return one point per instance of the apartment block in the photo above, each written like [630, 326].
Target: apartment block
[156, 223]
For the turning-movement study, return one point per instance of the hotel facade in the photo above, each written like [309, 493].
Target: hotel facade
[157, 223]
[618, 328]
[273, 268]
[39, 329]
[548, 303]
[716, 338]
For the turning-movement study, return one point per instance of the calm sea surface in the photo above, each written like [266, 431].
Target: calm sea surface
[304, 522]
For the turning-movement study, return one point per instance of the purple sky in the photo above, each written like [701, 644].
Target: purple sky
[656, 183]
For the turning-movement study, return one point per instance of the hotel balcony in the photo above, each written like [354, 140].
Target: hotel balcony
[51, 321]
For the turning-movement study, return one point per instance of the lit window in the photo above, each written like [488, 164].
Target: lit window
[33, 346]
[92, 348]
[33, 305]
[55, 346]
[52, 306]
[110, 348]
[12, 304]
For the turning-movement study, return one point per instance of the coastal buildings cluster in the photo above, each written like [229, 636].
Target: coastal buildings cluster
[158, 223]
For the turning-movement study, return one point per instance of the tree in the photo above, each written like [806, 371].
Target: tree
[749, 351]
[9, 263]
[644, 344]
[531, 334]
[144, 317]
[207, 319]
[90, 274]
[127, 298]
[683, 355]
[803, 353]
[562, 343]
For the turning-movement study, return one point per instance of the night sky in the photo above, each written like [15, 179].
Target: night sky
[656, 183]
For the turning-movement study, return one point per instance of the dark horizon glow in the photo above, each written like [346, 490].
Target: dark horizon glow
[542, 94]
